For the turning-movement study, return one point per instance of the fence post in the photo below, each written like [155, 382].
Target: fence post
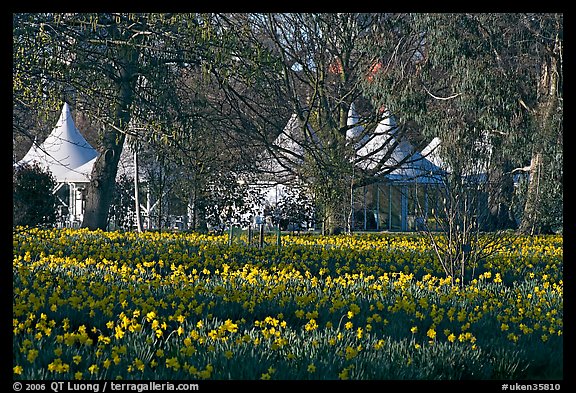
[278, 241]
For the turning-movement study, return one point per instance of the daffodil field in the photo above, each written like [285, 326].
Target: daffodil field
[159, 306]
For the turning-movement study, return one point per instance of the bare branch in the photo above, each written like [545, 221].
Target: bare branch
[441, 98]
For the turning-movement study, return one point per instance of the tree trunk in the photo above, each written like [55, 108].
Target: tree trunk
[500, 191]
[191, 211]
[101, 187]
[160, 212]
[543, 116]
[137, 194]
[333, 223]
[530, 218]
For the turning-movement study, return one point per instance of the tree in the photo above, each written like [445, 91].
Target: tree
[115, 65]
[466, 82]
[488, 57]
[456, 213]
[296, 209]
[544, 198]
[201, 150]
[462, 77]
[122, 205]
[317, 62]
[34, 202]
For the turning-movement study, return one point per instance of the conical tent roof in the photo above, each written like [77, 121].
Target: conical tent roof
[432, 152]
[371, 149]
[63, 151]
[411, 165]
[355, 129]
[415, 168]
[371, 146]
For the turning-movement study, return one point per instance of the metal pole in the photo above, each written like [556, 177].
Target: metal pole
[148, 221]
[278, 235]
[390, 207]
[351, 216]
[365, 217]
[404, 207]
[137, 194]
[425, 204]
[377, 207]
[71, 204]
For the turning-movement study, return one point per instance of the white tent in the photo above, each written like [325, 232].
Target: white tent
[63, 152]
[381, 148]
[372, 147]
[69, 157]
[289, 149]
[432, 153]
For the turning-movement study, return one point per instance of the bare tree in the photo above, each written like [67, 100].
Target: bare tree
[316, 62]
[455, 217]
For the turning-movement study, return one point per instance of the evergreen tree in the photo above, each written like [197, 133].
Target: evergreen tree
[34, 202]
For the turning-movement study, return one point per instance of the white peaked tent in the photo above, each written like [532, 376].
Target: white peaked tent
[277, 170]
[432, 153]
[390, 205]
[291, 141]
[371, 148]
[70, 158]
[367, 143]
[67, 155]
[63, 151]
